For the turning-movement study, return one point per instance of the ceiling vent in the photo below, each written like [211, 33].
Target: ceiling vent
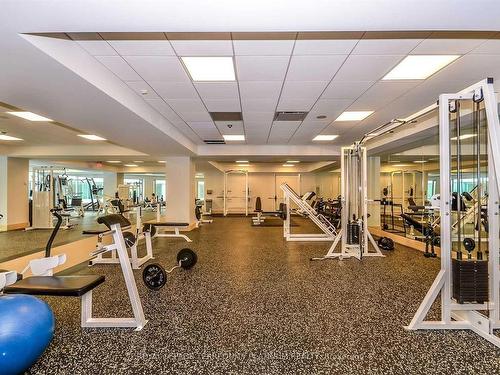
[290, 116]
[214, 141]
[226, 116]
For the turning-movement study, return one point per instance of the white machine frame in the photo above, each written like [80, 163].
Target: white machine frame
[165, 229]
[225, 197]
[453, 314]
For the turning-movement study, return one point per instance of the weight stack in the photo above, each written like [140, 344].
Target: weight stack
[353, 234]
[470, 280]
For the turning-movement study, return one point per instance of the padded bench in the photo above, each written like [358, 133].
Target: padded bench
[173, 225]
[67, 286]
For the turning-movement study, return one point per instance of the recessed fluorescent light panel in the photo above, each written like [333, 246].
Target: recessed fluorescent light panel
[323, 137]
[242, 161]
[161, 161]
[243, 165]
[419, 66]
[288, 165]
[92, 137]
[113, 161]
[234, 137]
[4, 137]
[203, 69]
[29, 116]
[131, 165]
[354, 115]
[292, 161]
[420, 161]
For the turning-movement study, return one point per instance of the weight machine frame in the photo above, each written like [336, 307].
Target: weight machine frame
[360, 250]
[455, 315]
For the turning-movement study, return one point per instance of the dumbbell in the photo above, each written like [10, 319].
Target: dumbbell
[155, 276]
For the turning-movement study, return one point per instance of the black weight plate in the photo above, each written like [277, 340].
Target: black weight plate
[187, 258]
[149, 228]
[154, 276]
[129, 239]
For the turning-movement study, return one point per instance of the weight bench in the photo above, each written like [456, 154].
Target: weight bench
[174, 226]
[69, 286]
[261, 215]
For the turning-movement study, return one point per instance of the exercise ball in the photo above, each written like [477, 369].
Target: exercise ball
[26, 329]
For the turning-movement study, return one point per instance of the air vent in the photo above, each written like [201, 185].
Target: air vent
[214, 141]
[226, 116]
[290, 116]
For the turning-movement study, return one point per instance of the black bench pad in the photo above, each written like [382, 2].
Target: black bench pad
[167, 224]
[94, 232]
[68, 286]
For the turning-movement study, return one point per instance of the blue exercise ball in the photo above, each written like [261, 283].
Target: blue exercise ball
[26, 329]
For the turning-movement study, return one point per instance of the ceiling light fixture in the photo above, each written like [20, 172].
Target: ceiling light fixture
[4, 137]
[138, 161]
[465, 136]
[324, 137]
[401, 165]
[419, 66]
[242, 161]
[113, 161]
[420, 161]
[131, 165]
[292, 161]
[29, 116]
[288, 165]
[161, 161]
[203, 69]
[243, 165]
[234, 137]
[92, 137]
[353, 115]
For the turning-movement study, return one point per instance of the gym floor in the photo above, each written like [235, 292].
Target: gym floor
[255, 304]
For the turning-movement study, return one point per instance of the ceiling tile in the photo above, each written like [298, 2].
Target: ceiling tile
[381, 94]
[324, 47]
[143, 47]
[307, 131]
[489, 47]
[446, 46]
[164, 109]
[314, 68]
[301, 89]
[236, 127]
[293, 105]
[203, 47]
[263, 47]
[258, 117]
[158, 68]
[257, 126]
[259, 105]
[223, 105]
[186, 105]
[205, 129]
[366, 67]
[195, 116]
[97, 47]
[281, 131]
[260, 89]
[218, 90]
[119, 67]
[328, 107]
[345, 90]
[143, 89]
[174, 90]
[261, 68]
[385, 46]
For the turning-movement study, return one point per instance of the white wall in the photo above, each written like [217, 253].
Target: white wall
[17, 193]
[3, 193]
[179, 173]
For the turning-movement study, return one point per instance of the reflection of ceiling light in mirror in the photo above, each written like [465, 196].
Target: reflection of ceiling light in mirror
[131, 165]
[465, 136]
[401, 165]
[288, 165]
[113, 161]
[420, 161]
[243, 165]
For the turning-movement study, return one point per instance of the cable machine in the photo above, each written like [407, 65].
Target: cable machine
[354, 235]
[228, 197]
[468, 286]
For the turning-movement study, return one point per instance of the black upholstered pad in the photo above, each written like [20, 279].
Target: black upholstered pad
[167, 224]
[69, 286]
[109, 220]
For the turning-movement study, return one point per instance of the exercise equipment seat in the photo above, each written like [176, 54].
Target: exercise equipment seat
[67, 286]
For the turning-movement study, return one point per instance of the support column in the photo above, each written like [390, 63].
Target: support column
[14, 193]
[3, 193]
[373, 167]
[180, 186]
[110, 184]
[120, 177]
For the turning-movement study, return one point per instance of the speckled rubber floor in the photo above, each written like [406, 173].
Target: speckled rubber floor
[255, 304]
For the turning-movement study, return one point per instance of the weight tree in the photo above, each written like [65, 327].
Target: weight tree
[468, 287]
[354, 236]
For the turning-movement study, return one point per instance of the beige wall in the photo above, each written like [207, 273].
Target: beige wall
[17, 193]
[179, 173]
[3, 192]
